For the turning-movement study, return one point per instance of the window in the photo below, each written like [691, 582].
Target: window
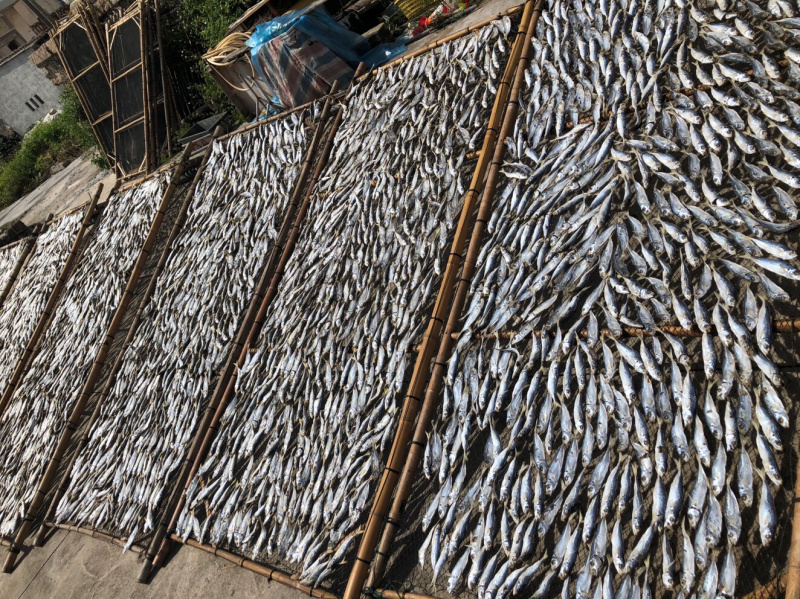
[31, 108]
[38, 98]
[13, 45]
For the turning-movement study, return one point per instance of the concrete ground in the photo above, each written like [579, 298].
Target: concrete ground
[75, 566]
[71, 187]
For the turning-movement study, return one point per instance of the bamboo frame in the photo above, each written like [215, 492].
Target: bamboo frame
[432, 338]
[22, 260]
[429, 405]
[165, 253]
[51, 471]
[44, 318]
[390, 594]
[267, 571]
[159, 545]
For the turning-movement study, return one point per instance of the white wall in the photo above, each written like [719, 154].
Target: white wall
[20, 82]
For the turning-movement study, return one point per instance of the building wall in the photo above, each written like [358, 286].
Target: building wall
[23, 82]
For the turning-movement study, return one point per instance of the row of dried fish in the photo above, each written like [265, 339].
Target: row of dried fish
[612, 467]
[41, 405]
[151, 414]
[22, 309]
[300, 446]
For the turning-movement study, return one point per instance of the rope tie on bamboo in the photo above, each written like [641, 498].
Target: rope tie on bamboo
[415, 442]
[393, 522]
[397, 472]
[409, 396]
[437, 318]
[363, 561]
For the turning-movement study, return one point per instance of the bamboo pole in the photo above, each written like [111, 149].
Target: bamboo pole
[263, 122]
[159, 545]
[416, 449]
[390, 594]
[793, 568]
[94, 374]
[263, 570]
[148, 294]
[20, 264]
[779, 326]
[432, 338]
[224, 389]
[44, 318]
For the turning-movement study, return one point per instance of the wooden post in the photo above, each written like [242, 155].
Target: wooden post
[94, 374]
[431, 340]
[44, 319]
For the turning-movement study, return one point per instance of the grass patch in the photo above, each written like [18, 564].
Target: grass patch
[64, 138]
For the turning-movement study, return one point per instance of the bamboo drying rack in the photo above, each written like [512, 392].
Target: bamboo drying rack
[151, 286]
[44, 319]
[433, 334]
[159, 544]
[94, 375]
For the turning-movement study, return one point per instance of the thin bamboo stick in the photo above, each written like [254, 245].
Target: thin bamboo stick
[779, 326]
[151, 286]
[441, 41]
[263, 570]
[138, 181]
[97, 534]
[432, 338]
[390, 594]
[415, 450]
[44, 318]
[94, 374]
[793, 568]
[21, 262]
[159, 544]
[263, 122]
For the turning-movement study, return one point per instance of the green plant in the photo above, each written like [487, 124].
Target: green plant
[63, 138]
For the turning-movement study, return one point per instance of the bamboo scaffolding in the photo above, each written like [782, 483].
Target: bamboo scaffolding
[20, 264]
[94, 374]
[148, 294]
[432, 338]
[429, 405]
[44, 318]
[159, 544]
[262, 569]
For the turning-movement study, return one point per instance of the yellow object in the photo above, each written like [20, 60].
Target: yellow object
[412, 9]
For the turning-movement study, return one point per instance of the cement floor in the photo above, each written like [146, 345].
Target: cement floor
[74, 566]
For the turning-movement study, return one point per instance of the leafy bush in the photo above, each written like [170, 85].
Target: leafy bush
[64, 138]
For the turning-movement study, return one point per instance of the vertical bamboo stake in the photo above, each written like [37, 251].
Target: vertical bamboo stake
[44, 318]
[429, 405]
[164, 78]
[399, 451]
[94, 374]
[21, 262]
[151, 286]
[159, 545]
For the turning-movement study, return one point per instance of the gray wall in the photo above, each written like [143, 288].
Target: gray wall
[20, 79]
